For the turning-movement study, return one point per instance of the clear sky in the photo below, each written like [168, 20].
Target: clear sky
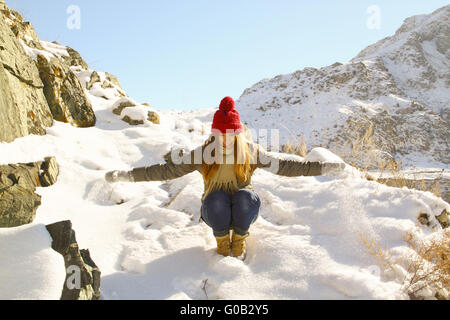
[189, 54]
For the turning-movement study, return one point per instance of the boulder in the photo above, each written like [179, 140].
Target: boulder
[122, 104]
[65, 243]
[113, 80]
[153, 117]
[444, 219]
[49, 171]
[65, 95]
[22, 29]
[18, 182]
[94, 78]
[18, 204]
[132, 122]
[74, 59]
[23, 107]
[135, 118]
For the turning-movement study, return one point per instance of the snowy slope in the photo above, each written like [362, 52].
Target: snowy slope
[399, 87]
[418, 58]
[148, 243]
[29, 268]
[146, 237]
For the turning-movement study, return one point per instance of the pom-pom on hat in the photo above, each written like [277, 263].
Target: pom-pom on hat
[226, 119]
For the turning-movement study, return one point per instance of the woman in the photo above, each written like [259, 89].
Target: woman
[227, 161]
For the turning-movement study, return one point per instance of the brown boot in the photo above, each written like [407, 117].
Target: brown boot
[223, 245]
[238, 244]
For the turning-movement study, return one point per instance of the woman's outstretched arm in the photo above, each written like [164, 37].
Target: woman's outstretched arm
[294, 168]
[158, 172]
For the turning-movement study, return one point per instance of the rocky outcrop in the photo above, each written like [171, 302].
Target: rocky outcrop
[444, 219]
[64, 93]
[74, 59]
[78, 263]
[18, 182]
[23, 106]
[111, 81]
[94, 78]
[33, 93]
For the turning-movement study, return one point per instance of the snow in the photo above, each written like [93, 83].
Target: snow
[136, 113]
[29, 268]
[322, 155]
[34, 53]
[55, 49]
[51, 50]
[147, 240]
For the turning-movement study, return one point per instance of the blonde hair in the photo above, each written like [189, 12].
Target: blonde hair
[242, 158]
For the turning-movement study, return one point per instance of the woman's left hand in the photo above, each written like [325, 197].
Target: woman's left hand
[329, 167]
[119, 176]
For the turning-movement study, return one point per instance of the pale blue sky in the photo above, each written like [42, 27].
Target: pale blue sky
[190, 54]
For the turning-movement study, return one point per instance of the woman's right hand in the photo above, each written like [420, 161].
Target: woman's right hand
[119, 176]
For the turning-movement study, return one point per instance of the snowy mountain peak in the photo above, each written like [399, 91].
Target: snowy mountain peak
[397, 91]
[415, 29]
[418, 57]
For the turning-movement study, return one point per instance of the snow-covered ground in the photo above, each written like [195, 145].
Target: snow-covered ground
[29, 268]
[147, 240]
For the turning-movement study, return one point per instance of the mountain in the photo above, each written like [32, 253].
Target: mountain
[390, 101]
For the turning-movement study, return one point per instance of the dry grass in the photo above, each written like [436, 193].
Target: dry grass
[428, 265]
[374, 249]
[363, 152]
[361, 149]
[298, 147]
[398, 179]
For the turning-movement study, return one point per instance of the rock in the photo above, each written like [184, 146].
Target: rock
[74, 59]
[64, 242]
[442, 294]
[22, 29]
[94, 78]
[113, 79]
[132, 122]
[107, 85]
[49, 172]
[443, 219]
[33, 93]
[111, 82]
[23, 107]
[122, 104]
[18, 204]
[18, 182]
[65, 94]
[153, 117]
[424, 219]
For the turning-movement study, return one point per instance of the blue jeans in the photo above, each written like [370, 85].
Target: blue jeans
[223, 212]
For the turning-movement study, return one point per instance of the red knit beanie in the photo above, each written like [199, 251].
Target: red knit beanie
[226, 118]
